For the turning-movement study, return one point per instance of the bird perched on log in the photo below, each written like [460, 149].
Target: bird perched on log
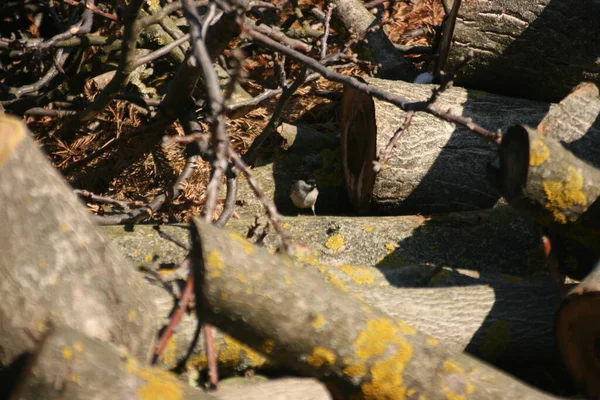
[304, 194]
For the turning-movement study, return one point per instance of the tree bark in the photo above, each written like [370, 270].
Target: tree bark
[574, 122]
[323, 332]
[550, 184]
[435, 167]
[277, 389]
[55, 268]
[483, 302]
[70, 365]
[357, 19]
[537, 49]
[578, 334]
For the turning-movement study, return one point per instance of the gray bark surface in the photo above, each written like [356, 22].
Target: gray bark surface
[324, 332]
[538, 49]
[72, 366]
[436, 166]
[55, 267]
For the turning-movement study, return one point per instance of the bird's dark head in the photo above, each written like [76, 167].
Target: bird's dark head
[311, 182]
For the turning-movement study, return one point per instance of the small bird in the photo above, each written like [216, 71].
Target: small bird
[304, 194]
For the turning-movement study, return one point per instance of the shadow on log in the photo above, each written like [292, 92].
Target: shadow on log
[54, 265]
[531, 49]
[70, 365]
[506, 320]
[323, 332]
[578, 334]
[542, 179]
[436, 167]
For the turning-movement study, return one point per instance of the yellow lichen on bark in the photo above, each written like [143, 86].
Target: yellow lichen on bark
[318, 321]
[452, 376]
[360, 275]
[214, 264]
[243, 242]
[382, 335]
[538, 153]
[268, 346]
[67, 353]
[321, 356]
[564, 194]
[234, 351]
[169, 354]
[335, 243]
[158, 384]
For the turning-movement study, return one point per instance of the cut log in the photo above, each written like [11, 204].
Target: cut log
[574, 122]
[545, 181]
[318, 330]
[55, 267]
[72, 366]
[482, 303]
[278, 389]
[532, 49]
[578, 334]
[435, 167]
[357, 19]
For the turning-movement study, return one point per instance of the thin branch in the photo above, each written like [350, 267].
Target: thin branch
[61, 58]
[94, 9]
[161, 52]
[133, 27]
[126, 205]
[219, 137]
[270, 208]
[387, 153]
[230, 197]
[330, 8]
[280, 36]
[378, 93]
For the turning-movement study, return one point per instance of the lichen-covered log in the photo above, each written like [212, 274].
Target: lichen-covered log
[574, 122]
[578, 334]
[55, 267]
[321, 331]
[498, 240]
[357, 19]
[71, 365]
[547, 182]
[277, 389]
[533, 49]
[305, 154]
[492, 320]
[436, 166]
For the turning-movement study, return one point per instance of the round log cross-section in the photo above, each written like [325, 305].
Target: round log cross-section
[436, 166]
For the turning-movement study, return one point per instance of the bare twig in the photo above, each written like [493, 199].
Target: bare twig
[82, 27]
[446, 40]
[170, 238]
[270, 208]
[220, 139]
[230, 197]
[182, 306]
[61, 57]
[280, 36]
[126, 205]
[286, 95]
[161, 52]
[94, 9]
[330, 8]
[383, 158]
[381, 94]
[126, 66]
